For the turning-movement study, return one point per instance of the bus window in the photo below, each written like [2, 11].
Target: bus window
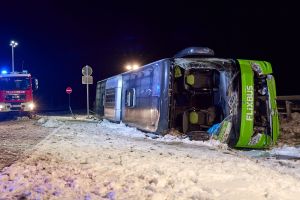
[110, 98]
[130, 98]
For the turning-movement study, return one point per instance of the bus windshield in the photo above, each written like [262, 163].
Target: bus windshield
[14, 83]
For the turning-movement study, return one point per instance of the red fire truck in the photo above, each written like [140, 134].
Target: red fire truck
[16, 92]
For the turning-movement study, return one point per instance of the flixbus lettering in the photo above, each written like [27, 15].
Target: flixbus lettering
[249, 102]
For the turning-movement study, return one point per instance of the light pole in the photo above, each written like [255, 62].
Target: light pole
[13, 44]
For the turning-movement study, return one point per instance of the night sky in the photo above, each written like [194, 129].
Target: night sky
[57, 38]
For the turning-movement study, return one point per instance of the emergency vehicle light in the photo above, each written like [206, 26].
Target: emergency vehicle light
[3, 72]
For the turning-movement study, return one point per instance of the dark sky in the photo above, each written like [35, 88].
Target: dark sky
[57, 38]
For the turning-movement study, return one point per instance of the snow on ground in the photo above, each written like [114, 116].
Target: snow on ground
[285, 160]
[89, 160]
[286, 151]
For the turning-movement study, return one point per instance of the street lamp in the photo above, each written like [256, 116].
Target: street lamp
[128, 67]
[131, 67]
[135, 66]
[13, 44]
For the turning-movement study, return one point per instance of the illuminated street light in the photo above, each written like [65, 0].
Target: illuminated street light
[13, 44]
[128, 67]
[132, 67]
[135, 66]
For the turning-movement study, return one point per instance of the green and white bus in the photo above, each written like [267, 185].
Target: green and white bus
[197, 95]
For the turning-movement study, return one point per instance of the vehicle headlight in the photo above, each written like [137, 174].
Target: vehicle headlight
[31, 106]
[1, 106]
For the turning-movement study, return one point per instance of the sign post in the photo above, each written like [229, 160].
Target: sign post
[69, 91]
[87, 79]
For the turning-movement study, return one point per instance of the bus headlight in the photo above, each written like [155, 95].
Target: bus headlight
[31, 106]
[1, 107]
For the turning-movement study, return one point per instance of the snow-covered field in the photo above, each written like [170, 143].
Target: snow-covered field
[86, 159]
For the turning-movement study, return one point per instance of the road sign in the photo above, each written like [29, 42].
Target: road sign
[87, 71]
[68, 90]
[87, 80]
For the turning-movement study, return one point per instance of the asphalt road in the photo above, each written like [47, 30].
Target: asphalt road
[17, 137]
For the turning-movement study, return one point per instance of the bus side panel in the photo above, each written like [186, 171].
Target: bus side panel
[100, 96]
[146, 84]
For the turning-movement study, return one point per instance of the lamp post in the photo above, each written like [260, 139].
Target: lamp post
[13, 44]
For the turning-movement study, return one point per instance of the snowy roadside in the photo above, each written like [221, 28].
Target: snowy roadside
[81, 160]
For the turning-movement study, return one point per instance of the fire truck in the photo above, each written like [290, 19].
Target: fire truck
[16, 92]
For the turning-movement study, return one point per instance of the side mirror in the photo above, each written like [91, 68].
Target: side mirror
[35, 84]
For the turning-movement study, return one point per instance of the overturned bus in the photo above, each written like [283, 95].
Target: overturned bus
[197, 95]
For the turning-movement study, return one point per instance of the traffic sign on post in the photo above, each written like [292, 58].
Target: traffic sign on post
[87, 79]
[87, 71]
[68, 90]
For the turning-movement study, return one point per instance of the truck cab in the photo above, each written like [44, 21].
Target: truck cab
[16, 92]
